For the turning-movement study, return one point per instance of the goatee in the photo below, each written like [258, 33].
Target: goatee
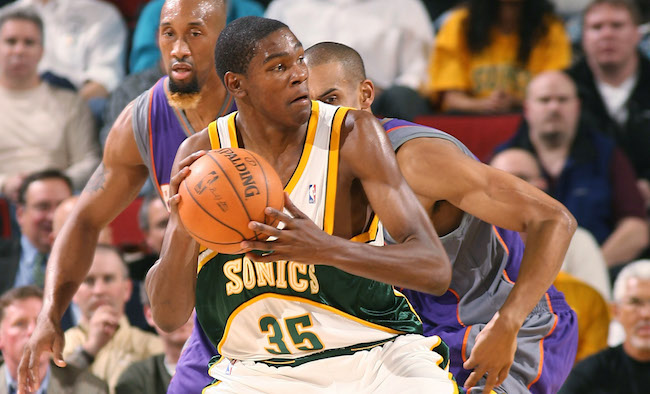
[184, 96]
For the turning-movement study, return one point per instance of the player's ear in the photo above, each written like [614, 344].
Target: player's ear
[234, 83]
[367, 92]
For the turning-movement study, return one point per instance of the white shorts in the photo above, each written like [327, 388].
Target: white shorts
[404, 365]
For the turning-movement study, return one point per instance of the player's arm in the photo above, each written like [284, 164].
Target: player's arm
[417, 262]
[114, 185]
[438, 170]
[171, 281]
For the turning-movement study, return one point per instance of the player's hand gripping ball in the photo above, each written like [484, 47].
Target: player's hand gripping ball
[226, 189]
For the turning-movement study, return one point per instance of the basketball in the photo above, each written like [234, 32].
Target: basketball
[225, 190]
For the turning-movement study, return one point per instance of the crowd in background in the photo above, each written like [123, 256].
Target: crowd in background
[578, 73]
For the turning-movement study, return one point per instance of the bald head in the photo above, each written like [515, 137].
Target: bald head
[197, 9]
[62, 213]
[552, 110]
[520, 163]
[552, 78]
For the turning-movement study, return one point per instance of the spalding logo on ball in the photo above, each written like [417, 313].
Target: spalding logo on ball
[226, 189]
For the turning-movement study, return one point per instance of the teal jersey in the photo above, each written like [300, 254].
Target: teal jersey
[285, 309]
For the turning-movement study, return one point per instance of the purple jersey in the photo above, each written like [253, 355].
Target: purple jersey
[485, 264]
[159, 130]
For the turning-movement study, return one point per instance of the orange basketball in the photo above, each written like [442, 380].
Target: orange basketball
[226, 189]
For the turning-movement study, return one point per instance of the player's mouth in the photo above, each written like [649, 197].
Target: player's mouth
[181, 71]
[302, 99]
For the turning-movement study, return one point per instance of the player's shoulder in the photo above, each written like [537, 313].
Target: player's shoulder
[195, 142]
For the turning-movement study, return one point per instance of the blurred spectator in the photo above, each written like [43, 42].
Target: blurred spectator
[584, 169]
[23, 260]
[613, 81]
[583, 259]
[394, 39]
[624, 368]
[436, 8]
[61, 215]
[42, 126]
[19, 308]
[568, 8]
[104, 341]
[152, 218]
[487, 51]
[144, 48]
[85, 47]
[152, 375]
[85, 42]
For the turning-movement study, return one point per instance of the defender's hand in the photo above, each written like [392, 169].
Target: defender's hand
[493, 354]
[47, 337]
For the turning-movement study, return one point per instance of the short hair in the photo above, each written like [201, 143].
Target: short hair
[629, 5]
[18, 294]
[50, 173]
[238, 41]
[143, 213]
[28, 14]
[328, 52]
[106, 248]
[639, 269]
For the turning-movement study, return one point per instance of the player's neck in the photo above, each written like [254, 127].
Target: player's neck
[280, 144]
[209, 105]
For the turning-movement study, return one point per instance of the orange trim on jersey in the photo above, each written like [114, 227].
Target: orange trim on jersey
[306, 152]
[507, 277]
[333, 170]
[541, 343]
[396, 127]
[328, 308]
[463, 349]
[213, 134]
[153, 163]
[494, 228]
[188, 128]
[232, 130]
[452, 291]
[227, 105]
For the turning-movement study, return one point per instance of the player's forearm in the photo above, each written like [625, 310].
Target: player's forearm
[627, 241]
[68, 265]
[546, 244]
[171, 282]
[413, 264]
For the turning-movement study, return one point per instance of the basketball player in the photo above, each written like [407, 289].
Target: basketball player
[143, 141]
[485, 318]
[311, 314]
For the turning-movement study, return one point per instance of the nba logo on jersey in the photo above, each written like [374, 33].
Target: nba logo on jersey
[312, 194]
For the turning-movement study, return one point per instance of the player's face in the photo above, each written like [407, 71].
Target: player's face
[20, 49]
[276, 79]
[105, 284]
[329, 83]
[16, 327]
[633, 312]
[187, 36]
[35, 216]
[609, 35]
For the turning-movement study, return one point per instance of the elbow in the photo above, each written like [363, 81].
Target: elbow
[564, 220]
